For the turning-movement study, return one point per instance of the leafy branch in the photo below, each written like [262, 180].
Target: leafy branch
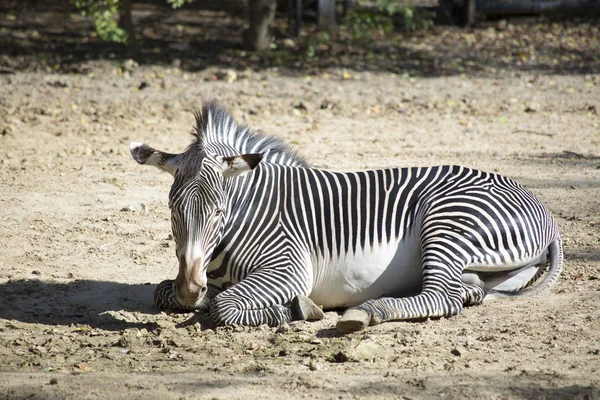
[104, 13]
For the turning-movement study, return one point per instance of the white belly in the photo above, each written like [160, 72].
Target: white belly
[391, 269]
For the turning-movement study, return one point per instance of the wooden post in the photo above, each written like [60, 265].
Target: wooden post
[446, 12]
[469, 12]
[262, 14]
[298, 17]
[126, 23]
[349, 5]
[326, 15]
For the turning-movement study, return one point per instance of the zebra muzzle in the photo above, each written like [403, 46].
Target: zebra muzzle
[189, 294]
[189, 287]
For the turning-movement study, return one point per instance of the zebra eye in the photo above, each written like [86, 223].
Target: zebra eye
[219, 211]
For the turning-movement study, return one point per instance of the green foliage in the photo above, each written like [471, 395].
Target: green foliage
[316, 43]
[178, 3]
[364, 23]
[369, 22]
[104, 13]
[389, 7]
[415, 18]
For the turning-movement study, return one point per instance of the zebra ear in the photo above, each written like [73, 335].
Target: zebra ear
[239, 165]
[146, 155]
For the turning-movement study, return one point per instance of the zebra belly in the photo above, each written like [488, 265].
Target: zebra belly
[389, 269]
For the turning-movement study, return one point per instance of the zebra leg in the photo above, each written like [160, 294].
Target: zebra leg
[472, 294]
[261, 297]
[473, 289]
[442, 296]
[165, 299]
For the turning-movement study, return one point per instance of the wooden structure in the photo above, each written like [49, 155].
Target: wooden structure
[471, 8]
[325, 12]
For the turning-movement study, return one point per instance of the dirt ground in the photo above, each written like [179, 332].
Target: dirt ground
[85, 232]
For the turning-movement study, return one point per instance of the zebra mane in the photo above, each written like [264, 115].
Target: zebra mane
[216, 130]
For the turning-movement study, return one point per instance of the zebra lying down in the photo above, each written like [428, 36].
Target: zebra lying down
[273, 237]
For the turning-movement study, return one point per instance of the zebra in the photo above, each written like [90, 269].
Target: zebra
[263, 238]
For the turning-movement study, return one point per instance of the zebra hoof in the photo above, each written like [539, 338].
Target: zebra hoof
[304, 309]
[165, 299]
[353, 320]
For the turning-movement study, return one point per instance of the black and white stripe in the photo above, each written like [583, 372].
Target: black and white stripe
[288, 229]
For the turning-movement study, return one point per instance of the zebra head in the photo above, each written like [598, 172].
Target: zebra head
[221, 150]
[198, 203]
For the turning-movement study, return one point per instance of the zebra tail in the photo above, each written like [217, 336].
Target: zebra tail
[555, 249]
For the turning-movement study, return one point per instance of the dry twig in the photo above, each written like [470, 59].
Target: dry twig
[534, 132]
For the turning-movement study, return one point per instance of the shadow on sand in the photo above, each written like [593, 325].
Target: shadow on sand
[99, 304]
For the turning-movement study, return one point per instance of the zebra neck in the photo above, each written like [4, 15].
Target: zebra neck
[239, 193]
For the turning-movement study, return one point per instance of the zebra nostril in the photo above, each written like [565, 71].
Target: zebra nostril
[203, 290]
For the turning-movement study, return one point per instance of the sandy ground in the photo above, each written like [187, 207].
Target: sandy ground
[85, 235]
